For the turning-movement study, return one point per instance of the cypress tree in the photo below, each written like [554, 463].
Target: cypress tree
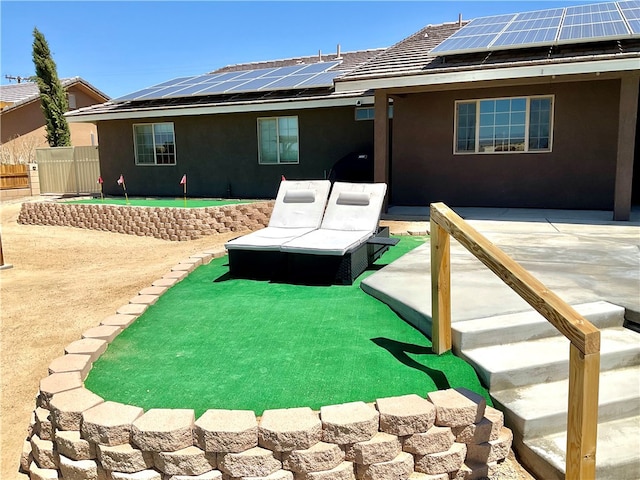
[52, 95]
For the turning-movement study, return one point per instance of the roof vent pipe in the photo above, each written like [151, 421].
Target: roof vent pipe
[338, 56]
[460, 20]
[319, 55]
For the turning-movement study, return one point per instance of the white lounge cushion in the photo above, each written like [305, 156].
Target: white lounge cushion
[269, 238]
[300, 203]
[300, 196]
[327, 242]
[354, 198]
[354, 206]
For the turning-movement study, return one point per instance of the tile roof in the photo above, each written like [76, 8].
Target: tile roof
[411, 56]
[349, 61]
[17, 94]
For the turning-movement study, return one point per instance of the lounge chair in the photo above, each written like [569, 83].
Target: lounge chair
[298, 209]
[348, 241]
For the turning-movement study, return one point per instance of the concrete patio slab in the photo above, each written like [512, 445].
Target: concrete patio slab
[583, 256]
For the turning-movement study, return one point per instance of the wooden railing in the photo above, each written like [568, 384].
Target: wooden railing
[584, 357]
[13, 176]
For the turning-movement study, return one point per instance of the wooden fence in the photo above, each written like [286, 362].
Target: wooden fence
[68, 170]
[14, 176]
[584, 350]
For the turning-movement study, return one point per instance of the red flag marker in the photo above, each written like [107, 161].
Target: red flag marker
[184, 179]
[100, 181]
[124, 188]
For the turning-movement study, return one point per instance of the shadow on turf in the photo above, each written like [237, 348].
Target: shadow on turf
[400, 349]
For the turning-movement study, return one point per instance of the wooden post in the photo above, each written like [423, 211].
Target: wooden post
[584, 355]
[3, 266]
[582, 420]
[440, 289]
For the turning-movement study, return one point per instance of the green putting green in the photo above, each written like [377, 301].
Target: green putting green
[160, 202]
[212, 341]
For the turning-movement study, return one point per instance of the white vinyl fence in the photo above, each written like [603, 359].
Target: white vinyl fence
[66, 170]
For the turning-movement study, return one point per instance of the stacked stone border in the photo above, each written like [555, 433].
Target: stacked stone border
[176, 224]
[75, 434]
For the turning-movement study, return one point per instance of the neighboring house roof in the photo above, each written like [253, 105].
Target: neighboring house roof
[151, 107]
[19, 94]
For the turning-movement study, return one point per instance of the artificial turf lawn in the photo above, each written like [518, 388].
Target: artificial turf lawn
[160, 202]
[216, 342]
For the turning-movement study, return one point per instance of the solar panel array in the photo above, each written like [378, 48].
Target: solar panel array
[243, 81]
[578, 24]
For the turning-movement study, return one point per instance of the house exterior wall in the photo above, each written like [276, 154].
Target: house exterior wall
[219, 153]
[28, 119]
[579, 173]
[20, 121]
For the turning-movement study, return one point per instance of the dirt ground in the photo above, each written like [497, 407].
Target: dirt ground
[65, 280]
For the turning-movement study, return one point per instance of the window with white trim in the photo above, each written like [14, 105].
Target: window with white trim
[504, 125]
[154, 144]
[278, 140]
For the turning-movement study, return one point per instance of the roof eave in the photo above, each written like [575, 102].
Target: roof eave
[340, 100]
[478, 74]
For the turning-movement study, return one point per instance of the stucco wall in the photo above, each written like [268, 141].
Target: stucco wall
[578, 173]
[29, 119]
[219, 153]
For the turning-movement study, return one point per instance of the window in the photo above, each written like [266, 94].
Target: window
[278, 140]
[154, 144]
[368, 113]
[365, 113]
[520, 124]
[71, 100]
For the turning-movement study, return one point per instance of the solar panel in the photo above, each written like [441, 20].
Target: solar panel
[531, 28]
[318, 67]
[592, 22]
[190, 90]
[255, 84]
[476, 35]
[251, 74]
[139, 93]
[290, 81]
[583, 23]
[175, 81]
[324, 79]
[261, 79]
[164, 92]
[631, 11]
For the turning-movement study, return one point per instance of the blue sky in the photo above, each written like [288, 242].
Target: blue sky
[121, 46]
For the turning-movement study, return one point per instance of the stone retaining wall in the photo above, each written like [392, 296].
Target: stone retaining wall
[159, 222]
[77, 435]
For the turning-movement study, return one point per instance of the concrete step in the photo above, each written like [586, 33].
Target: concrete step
[616, 452]
[537, 410]
[529, 325]
[506, 366]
